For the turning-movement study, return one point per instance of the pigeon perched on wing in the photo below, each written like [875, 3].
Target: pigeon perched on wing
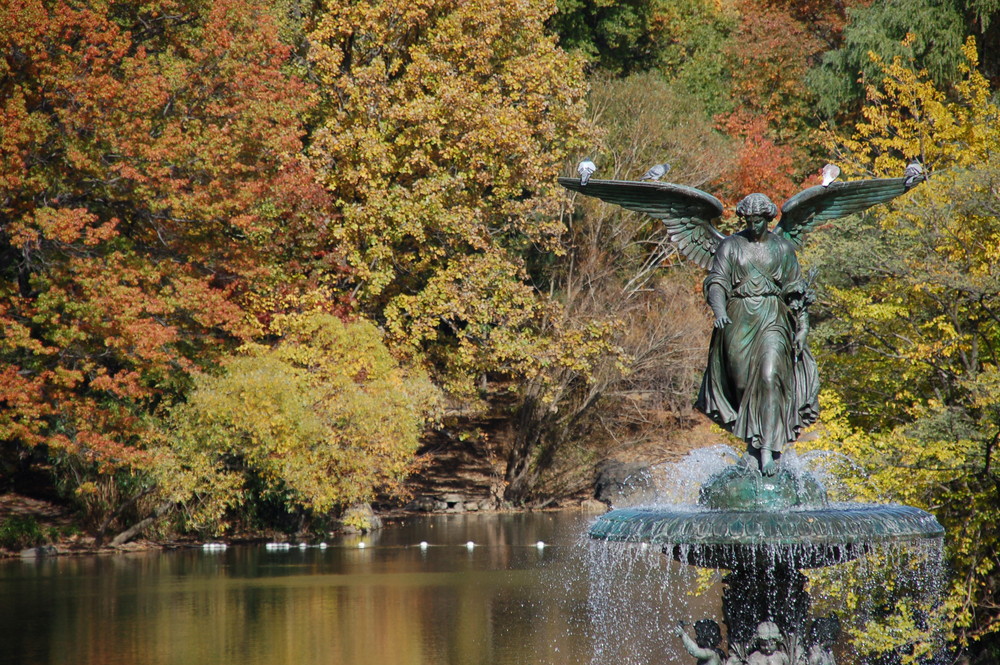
[586, 169]
[914, 173]
[656, 172]
[830, 173]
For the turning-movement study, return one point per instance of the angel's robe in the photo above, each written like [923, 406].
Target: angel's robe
[756, 385]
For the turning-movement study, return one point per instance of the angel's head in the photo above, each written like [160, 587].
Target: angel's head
[757, 211]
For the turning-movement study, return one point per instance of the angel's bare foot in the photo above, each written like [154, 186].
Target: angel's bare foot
[768, 467]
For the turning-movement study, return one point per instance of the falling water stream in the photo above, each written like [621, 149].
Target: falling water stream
[869, 567]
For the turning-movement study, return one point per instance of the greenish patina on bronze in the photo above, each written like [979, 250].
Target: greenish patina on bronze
[740, 487]
[760, 382]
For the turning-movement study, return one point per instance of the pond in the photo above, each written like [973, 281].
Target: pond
[503, 601]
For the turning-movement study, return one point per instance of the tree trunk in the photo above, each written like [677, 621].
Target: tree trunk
[106, 524]
[520, 475]
[140, 526]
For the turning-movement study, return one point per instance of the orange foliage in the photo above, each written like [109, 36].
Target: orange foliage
[148, 176]
[823, 19]
[769, 56]
[762, 165]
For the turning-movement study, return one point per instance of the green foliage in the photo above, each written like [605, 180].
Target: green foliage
[911, 337]
[888, 600]
[680, 39]
[619, 37]
[696, 35]
[20, 531]
[927, 34]
[322, 419]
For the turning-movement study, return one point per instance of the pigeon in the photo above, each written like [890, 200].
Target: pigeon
[656, 172]
[914, 173]
[586, 169]
[830, 173]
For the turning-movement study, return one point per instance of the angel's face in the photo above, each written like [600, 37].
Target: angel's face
[757, 224]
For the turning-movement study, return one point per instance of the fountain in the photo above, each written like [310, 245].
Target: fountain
[761, 519]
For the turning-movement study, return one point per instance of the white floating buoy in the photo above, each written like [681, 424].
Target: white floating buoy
[276, 546]
[361, 546]
[302, 546]
[322, 546]
[423, 544]
[470, 545]
[213, 547]
[540, 545]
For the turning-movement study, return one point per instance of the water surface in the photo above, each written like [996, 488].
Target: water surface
[505, 601]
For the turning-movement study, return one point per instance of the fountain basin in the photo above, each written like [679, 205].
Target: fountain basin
[801, 538]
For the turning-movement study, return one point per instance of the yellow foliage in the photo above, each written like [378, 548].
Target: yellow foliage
[912, 340]
[325, 417]
[441, 126]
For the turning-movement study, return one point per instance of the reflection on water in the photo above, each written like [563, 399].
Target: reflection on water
[505, 601]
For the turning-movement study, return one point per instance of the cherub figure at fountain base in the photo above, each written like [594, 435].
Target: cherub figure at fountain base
[705, 646]
[768, 646]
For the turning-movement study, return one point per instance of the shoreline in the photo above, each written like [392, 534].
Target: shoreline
[83, 545]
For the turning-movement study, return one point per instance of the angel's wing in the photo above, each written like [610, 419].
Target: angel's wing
[811, 207]
[687, 212]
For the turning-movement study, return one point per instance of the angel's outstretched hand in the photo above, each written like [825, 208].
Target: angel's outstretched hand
[722, 321]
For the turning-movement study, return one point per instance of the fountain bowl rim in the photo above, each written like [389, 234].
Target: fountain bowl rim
[857, 524]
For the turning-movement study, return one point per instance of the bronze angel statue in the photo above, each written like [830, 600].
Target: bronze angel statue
[761, 382]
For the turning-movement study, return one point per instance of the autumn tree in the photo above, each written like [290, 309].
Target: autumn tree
[909, 347]
[441, 127]
[148, 175]
[626, 309]
[320, 419]
[767, 58]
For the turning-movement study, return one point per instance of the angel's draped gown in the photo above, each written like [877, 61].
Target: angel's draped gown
[755, 385]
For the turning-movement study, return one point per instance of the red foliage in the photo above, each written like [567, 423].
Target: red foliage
[149, 173]
[768, 58]
[823, 19]
[762, 165]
